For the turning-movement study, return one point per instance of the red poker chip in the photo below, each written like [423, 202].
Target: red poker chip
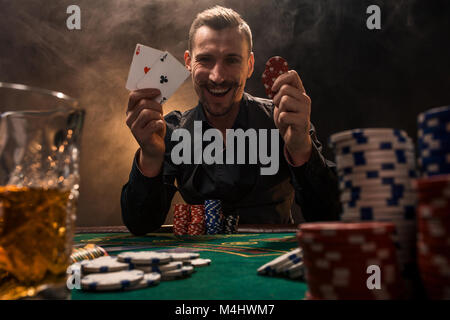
[275, 67]
[433, 182]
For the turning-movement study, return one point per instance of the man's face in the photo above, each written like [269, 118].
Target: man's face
[220, 65]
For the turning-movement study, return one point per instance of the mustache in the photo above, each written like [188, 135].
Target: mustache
[224, 84]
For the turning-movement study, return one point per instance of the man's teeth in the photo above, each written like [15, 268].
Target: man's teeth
[218, 91]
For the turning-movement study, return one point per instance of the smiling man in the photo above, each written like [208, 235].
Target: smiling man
[220, 60]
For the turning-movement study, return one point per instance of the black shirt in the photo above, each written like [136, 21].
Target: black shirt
[256, 198]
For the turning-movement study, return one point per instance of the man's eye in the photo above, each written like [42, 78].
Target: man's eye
[233, 61]
[203, 59]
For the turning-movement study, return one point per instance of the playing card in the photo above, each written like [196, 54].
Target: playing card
[143, 59]
[167, 75]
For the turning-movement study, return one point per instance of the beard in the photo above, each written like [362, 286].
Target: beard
[233, 86]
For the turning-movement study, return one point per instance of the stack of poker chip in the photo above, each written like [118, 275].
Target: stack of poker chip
[230, 224]
[375, 171]
[434, 141]
[213, 217]
[88, 252]
[196, 226]
[433, 243]
[289, 264]
[181, 218]
[136, 270]
[350, 261]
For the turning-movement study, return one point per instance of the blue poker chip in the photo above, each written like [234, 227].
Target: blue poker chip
[443, 159]
[433, 169]
[438, 112]
[433, 135]
[213, 216]
[429, 153]
[434, 144]
[438, 125]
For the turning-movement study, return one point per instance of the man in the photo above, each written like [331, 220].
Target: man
[220, 59]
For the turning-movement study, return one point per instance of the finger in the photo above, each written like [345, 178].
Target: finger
[144, 118]
[154, 126]
[291, 77]
[286, 90]
[289, 119]
[137, 95]
[143, 104]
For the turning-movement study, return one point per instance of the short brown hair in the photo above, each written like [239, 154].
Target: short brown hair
[219, 18]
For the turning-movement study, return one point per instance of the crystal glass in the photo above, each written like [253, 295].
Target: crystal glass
[40, 134]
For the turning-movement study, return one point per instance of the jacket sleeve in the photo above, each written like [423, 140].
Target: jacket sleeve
[145, 201]
[316, 186]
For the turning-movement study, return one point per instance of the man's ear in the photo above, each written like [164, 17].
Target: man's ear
[187, 60]
[251, 65]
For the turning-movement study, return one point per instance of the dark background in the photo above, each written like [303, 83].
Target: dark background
[356, 77]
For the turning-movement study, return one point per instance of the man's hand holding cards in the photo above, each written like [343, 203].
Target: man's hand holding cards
[154, 76]
[152, 68]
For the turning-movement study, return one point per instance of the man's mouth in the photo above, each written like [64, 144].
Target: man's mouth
[218, 92]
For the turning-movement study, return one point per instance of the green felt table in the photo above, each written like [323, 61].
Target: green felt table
[231, 276]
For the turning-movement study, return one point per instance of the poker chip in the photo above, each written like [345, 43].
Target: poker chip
[275, 67]
[88, 252]
[111, 281]
[200, 262]
[196, 226]
[102, 265]
[149, 280]
[177, 274]
[375, 157]
[369, 133]
[336, 257]
[281, 263]
[433, 243]
[183, 256]
[181, 218]
[376, 168]
[434, 141]
[213, 217]
[295, 271]
[144, 257]
[159, 268]
[231, 223]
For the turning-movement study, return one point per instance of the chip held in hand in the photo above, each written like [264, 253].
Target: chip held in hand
[275, 67]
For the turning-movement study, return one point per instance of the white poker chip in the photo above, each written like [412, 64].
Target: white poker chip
[144, 257]
[375, 195]
[296, 271]
[200, 262]
[270, 267]
[350, 148]
[102, 265]
[149, 280]
[111, 281]
[385, 166]
[367, 132]
[405, 182]
[178, 273]
[182, 256]
[375, 158]
[160, 268]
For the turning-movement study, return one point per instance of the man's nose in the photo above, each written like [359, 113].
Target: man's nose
[217, 73]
